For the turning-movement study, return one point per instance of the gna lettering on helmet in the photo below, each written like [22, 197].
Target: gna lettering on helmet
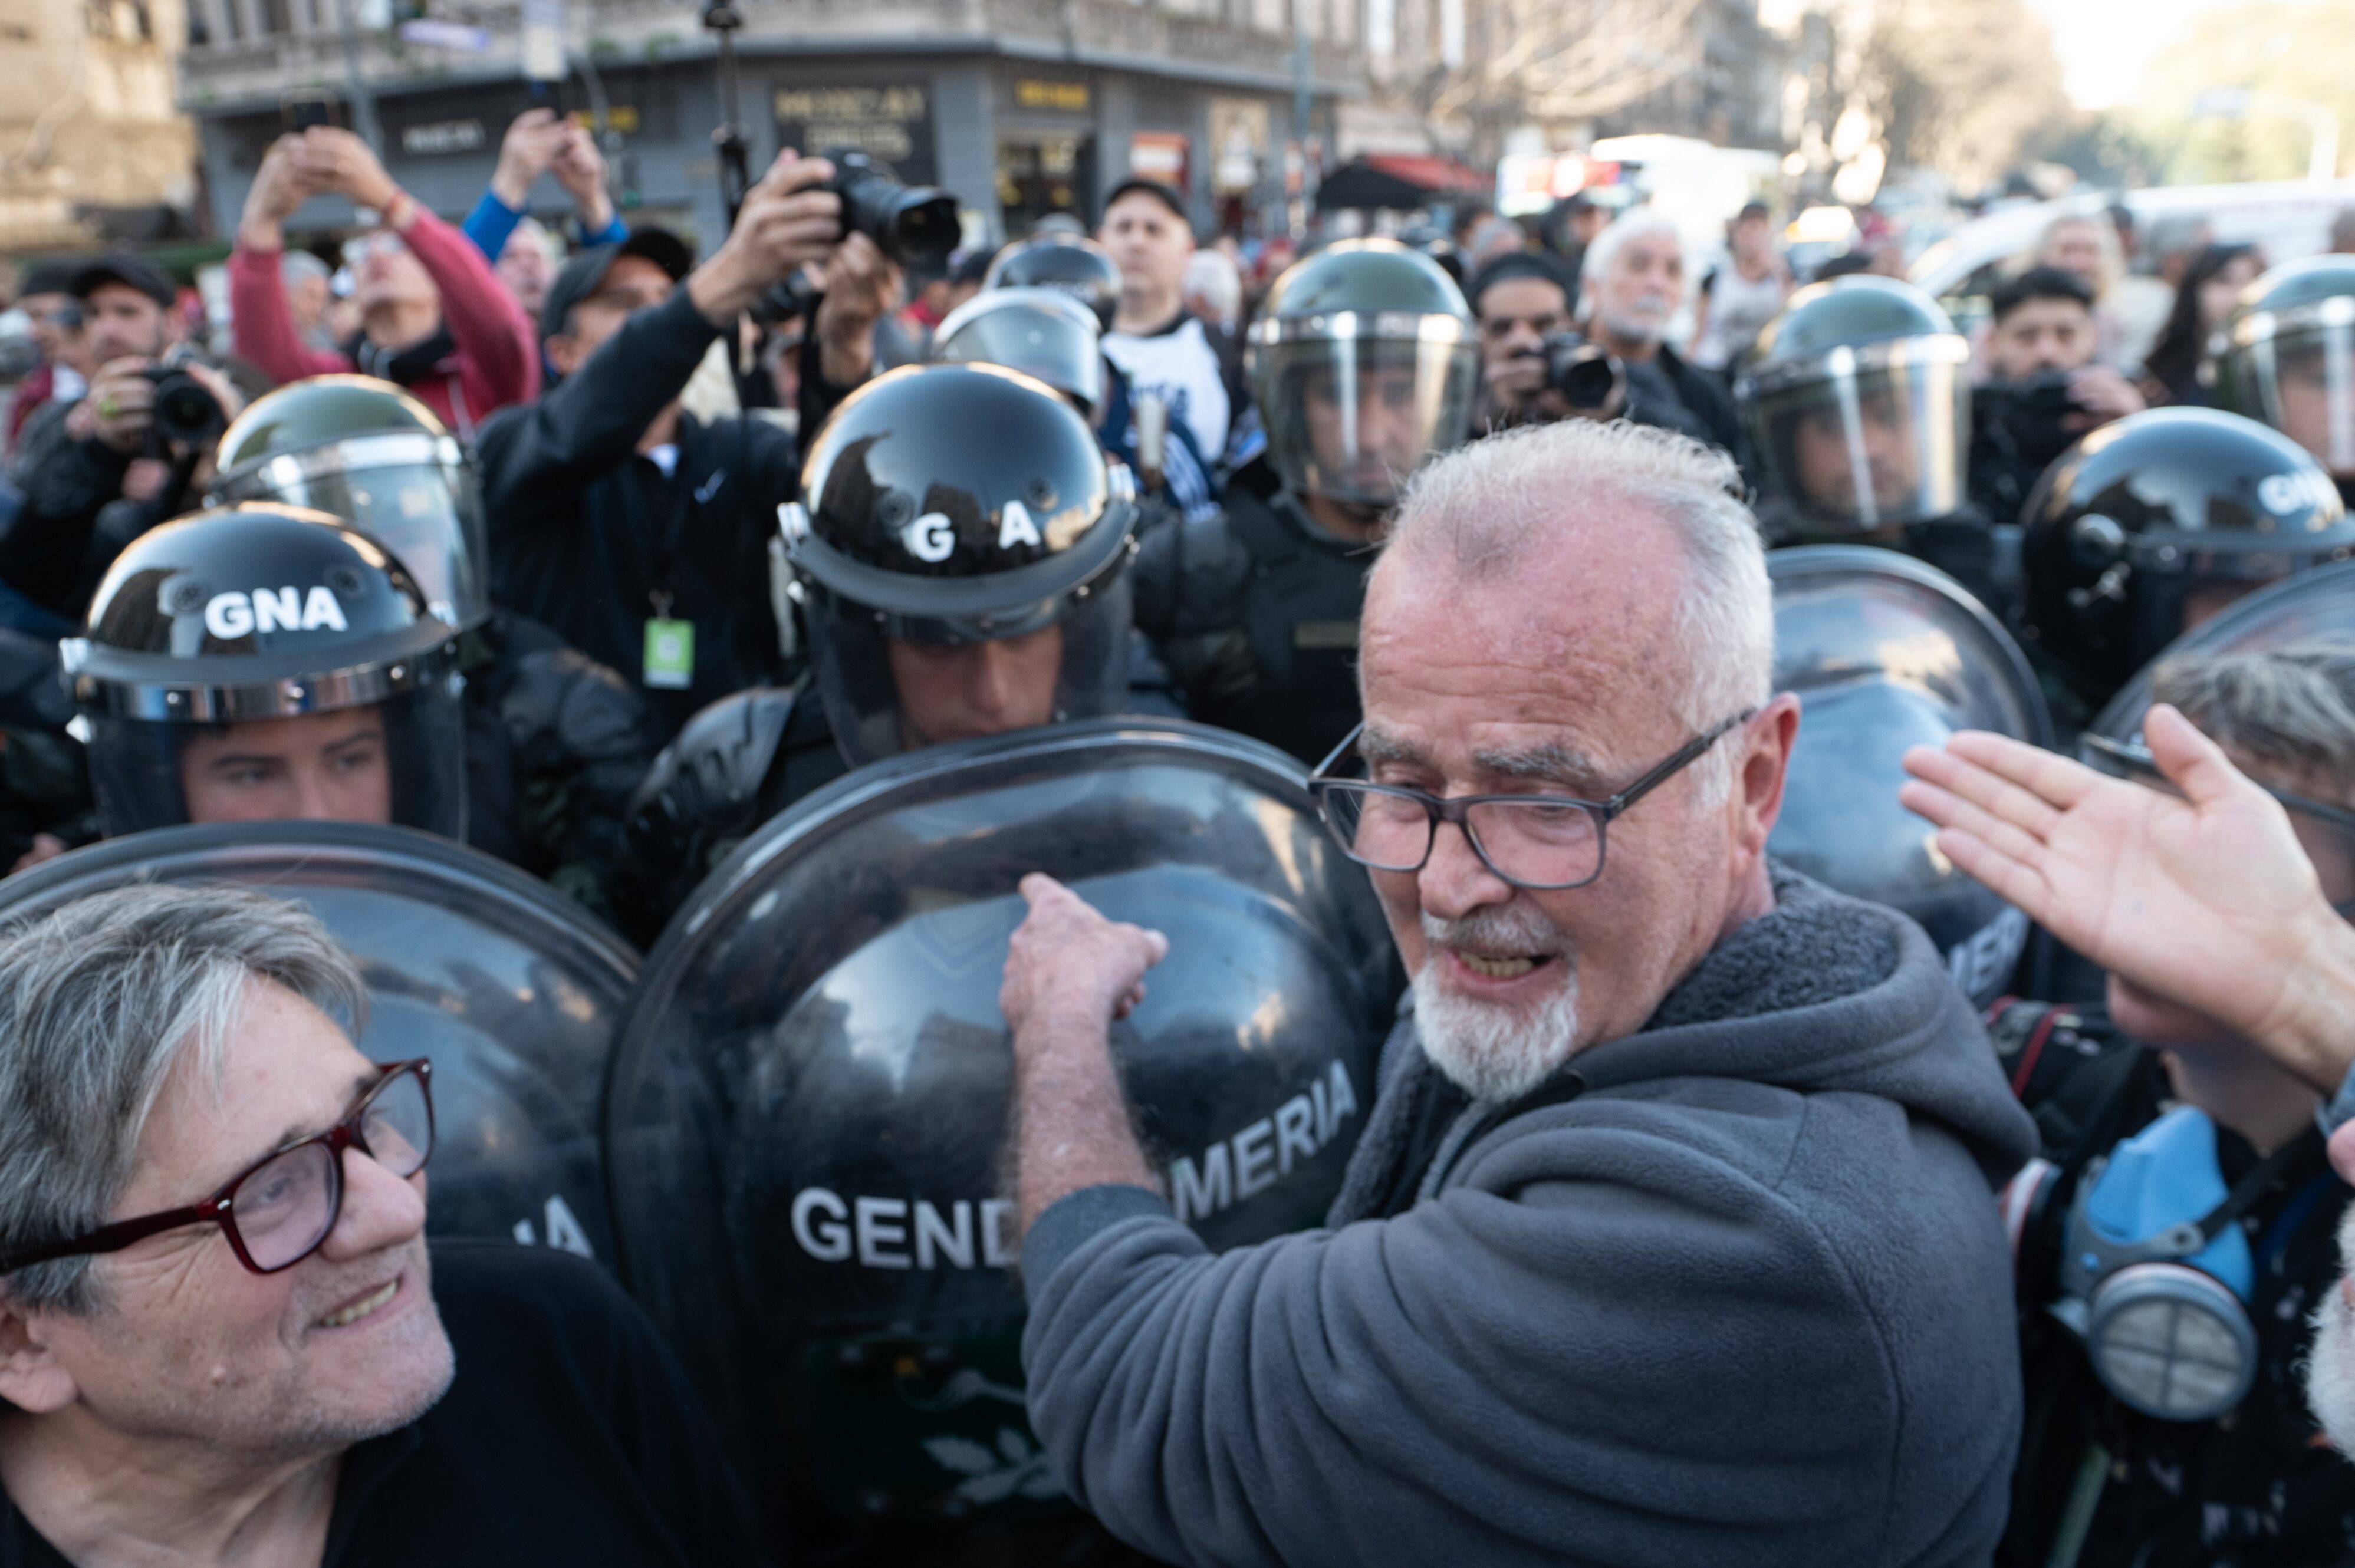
[2283, 493]
[228, 616]
[901, 1233]
[933, 536]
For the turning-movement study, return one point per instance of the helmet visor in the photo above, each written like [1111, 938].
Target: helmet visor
[428, 514]
[2302, 383]
[1859, 449]
[888, 692]
[402, 761]
[1048, 335]
[1351, 418]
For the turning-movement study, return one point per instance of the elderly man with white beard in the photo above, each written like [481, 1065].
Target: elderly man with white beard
[1671, 1239]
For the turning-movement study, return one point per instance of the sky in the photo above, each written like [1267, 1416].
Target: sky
[2104, 44]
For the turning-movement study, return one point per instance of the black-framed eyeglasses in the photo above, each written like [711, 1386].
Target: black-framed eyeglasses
[1543, 843]
[2325, 831]
[281, 1208]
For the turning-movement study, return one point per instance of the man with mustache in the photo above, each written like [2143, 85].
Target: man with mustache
[1670, 1240]
[1630, 285]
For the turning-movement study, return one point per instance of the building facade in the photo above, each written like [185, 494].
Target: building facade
[91, 145]
[1016, 107]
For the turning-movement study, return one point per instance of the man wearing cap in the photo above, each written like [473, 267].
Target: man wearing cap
[433, 317]
[79, 458]
[639, 533]
[1166, 351]
[1519, 301]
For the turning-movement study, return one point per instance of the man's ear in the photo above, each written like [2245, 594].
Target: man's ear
[31, 1377]
[1765, 763]
[563, 352]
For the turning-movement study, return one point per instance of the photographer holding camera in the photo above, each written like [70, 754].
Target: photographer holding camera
[100, 470]
[639, 533]
[1523, 309]
[2044, 388]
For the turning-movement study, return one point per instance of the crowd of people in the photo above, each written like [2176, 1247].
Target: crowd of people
[1719, 1202]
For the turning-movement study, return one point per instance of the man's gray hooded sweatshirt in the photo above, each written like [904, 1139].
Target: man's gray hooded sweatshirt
[1728, 1290]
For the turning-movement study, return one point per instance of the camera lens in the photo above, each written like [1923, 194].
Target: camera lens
[184, 411]
[1584, 374]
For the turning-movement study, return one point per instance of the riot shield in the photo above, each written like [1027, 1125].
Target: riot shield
[513, 992]
[808, 1113]
[1885, 653]
[2318, 605]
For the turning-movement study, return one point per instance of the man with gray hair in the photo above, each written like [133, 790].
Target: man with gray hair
[1630, 284]
[1669, 1239]
[223, 1336]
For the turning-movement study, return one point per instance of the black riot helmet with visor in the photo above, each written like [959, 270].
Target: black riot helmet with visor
[2289, 358]
[257, 615]
[2148, 525]
[1364, 362]
[1040, 332]
[376, 457]
[1858, 397]
[961, 513]
[1069, 264]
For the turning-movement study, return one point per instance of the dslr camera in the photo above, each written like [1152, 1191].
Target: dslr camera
[913, 224]
[1588, 376]
[183, 410]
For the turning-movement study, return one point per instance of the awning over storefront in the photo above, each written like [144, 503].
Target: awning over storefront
[1402, 181]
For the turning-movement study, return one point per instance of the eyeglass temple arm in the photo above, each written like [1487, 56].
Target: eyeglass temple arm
[1679, 758]
[114, 1237]
[1335, 754]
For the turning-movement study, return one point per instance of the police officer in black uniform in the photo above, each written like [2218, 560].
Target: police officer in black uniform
[2286, 334]
[2148, 527]
[1859, 402]
[1364, 364]
[962, 564]
[267, 662]
[2178, 1230]
[555, 742]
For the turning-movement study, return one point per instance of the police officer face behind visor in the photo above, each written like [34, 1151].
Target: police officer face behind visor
[961, 553]
[1858, 403]
[268, 661]
[1365, 363]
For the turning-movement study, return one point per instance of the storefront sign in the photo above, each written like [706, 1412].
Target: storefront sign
[1070, 96]
[1238, 145]
[1158, 156]
[443, 136]
[891, 125]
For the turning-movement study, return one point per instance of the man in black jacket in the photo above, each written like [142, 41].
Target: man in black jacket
[638, 533]
[1630, 285]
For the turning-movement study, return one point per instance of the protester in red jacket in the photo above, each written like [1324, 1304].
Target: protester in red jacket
[433, 316]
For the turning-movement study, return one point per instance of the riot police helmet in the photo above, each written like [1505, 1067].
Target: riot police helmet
[961, 549]
[376, 457]
[1364, 361]
[1886, 652]
[2148, 525]
[266, 661]
[1069, 263]
[1041, 331]
[1858, 397]
[2288, 357]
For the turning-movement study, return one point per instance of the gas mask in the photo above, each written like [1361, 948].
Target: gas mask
[2155, 1274]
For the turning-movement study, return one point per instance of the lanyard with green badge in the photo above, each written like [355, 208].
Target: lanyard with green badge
[668, 663]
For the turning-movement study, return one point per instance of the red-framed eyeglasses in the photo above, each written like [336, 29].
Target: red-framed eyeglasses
[281, 1209]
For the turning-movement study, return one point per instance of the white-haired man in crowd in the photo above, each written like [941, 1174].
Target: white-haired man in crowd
[1671, 1239]
[1630, 284]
